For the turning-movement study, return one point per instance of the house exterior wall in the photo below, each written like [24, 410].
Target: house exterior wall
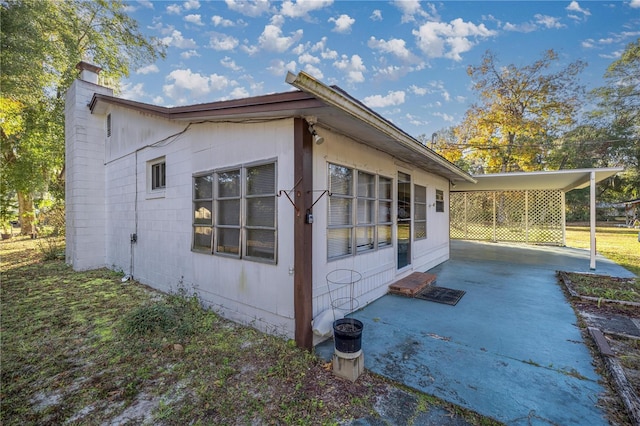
[112, 188]
[377, 268]
[249, 292]
[84, 178]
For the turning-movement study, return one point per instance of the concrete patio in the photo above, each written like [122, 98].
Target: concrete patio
[510, 349]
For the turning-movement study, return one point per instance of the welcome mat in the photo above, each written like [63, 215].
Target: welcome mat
[445, 295]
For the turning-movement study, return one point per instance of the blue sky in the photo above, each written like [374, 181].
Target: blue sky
[406, 60]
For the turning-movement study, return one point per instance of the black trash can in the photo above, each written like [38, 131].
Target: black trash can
[347, 335]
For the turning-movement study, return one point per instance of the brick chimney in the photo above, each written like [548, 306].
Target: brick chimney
[88, 72]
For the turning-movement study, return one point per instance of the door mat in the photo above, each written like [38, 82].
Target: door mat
[445, 295]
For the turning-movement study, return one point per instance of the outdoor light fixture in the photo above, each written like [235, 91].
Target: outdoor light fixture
[316, 137]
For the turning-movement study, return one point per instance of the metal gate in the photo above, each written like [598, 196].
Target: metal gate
[532, 217]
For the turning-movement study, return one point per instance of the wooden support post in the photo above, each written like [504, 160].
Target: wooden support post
[303, 235]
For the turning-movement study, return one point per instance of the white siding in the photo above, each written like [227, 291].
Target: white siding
[378, 268]
[108, 200]
[249, 292]
[85, 179]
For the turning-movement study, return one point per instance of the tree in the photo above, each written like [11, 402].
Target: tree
[619, 111]
[42, 41]
[521, 110]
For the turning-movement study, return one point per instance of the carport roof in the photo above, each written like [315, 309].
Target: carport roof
[564, 180]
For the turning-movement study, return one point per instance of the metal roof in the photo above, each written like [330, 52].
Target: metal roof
[564, 180]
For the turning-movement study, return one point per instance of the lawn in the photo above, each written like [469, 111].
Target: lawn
[87, 348]
[617, 244]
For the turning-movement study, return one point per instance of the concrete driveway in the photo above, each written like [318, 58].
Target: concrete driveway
[510, 349]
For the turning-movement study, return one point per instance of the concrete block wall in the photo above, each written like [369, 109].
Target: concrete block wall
[85, 178]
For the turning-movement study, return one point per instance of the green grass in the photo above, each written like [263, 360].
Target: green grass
[617, 244]
[86, 348]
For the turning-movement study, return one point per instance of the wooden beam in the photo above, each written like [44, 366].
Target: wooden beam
[303, 235]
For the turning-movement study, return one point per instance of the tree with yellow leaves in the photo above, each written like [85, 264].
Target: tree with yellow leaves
[521, 110]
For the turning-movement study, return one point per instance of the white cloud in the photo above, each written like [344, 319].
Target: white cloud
[146, 3]
[219, 21]
[412, 9]
[219, 82]
[185, 86]
[449, 40]
[377, 15]
[253, 8]
[222, 42]
[134, 92]
[189, 54]
[575, 7]
[227, 62]
[301, 8]
[279, 67]
[526, 27]
[174, 9]
[420, 91]
[314, 71]
[548, 21]
[153, 68]
[379, 101]
[394, 46]
[325, 52]
[416, 121]
[635, 4]
[158, 100]
[588, 43]
[342, 24]
[272, 39]
[353, 67]
[177, 40]
[445, 117]
[191, 5]
[308, 58]
[194, 19]
[239, 93]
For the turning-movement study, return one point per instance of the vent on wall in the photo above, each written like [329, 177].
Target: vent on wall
[108, 125]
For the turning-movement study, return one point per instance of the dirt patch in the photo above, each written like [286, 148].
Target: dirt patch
[593, 298]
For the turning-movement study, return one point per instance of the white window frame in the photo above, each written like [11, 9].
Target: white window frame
[439, 201]
[154, 191]
[243, 226]
[353, 224]
[419, 211]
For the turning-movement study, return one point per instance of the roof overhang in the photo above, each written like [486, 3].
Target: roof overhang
[564, 180]
[347, 116]
[330, 108]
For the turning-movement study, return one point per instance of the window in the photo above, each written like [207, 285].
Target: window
[439, 200]
[228, 212]
[261, 212]
[419, 212]
[235, 212]
[108, 125]
[203, 213]
[366, 213]
[385, 198]
[339, 234]
[359, 211]
[156, 177]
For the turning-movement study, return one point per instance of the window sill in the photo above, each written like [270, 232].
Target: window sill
[160, 193]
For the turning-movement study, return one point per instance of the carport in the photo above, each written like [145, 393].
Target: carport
[510, 348]
[525, 207]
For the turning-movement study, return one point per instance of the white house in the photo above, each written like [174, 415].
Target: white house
[252, 202]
